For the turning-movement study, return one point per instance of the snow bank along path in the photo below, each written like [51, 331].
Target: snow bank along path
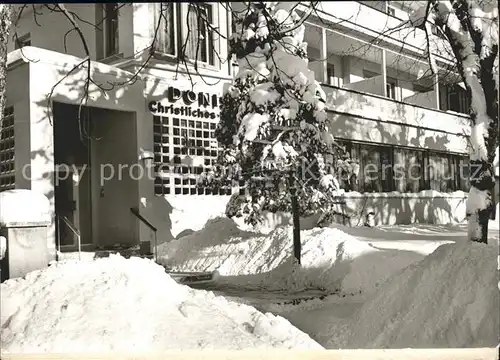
[450, 299]
[331, 259]
[118, 304]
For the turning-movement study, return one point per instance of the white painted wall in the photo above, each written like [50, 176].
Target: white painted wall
[427, 99]
[374, 85]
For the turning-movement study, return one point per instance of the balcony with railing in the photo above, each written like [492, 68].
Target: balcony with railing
[367, 117]
[372, 22]
[350, 62]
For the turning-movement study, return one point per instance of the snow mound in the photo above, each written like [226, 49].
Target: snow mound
[118, 304]
[450, 299]
[184, 253]
[331, 259]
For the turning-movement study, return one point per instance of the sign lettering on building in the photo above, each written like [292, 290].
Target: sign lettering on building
[181, 103]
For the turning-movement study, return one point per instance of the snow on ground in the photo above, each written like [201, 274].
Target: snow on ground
[117, 304]
[332, 259]
[450, 299]
[400, 286]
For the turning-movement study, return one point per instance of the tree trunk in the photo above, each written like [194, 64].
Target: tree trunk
[5, 24]
[296, 222]
[482, 172]
[477, 69]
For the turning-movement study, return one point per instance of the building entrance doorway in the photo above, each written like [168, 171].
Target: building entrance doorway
[94, 187]
[72, 180]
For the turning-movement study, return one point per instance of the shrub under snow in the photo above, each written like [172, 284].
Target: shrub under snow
[331, 259]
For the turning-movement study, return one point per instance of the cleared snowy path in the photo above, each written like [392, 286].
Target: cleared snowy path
[260, 298]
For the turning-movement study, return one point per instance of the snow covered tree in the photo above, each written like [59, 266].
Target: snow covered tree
[471, 28]
[5, 23]
[273, 127]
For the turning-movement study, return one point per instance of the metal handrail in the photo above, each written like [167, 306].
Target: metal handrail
[137, 214]
[76, 232]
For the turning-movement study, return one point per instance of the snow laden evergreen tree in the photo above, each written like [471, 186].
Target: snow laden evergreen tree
[5, 24]
[273, 127]
[471, 28]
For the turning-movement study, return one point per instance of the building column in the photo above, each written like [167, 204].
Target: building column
[324, 56]
[436, 90]
[384, 72]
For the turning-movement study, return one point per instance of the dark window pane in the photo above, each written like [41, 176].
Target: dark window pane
[111, 28]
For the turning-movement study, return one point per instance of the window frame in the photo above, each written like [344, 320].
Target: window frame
[180, 12]
[393, 85]
[461, 99]
[106, 33]
[355, 150]
[391, 10]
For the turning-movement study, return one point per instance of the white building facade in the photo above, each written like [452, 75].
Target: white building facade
[92, 161]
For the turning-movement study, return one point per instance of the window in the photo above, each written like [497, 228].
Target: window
[392, 88]
[391, 11]
[22, 41]
[330, 73]
[376, 168]
[107, 34]
[348, 179]
[440, 174]
[408, 170]
[462, 173]
[7, 153]
[200, 42]
[392, 168]
[456, 99]
[110, 29]
[167, 39]
[188, 30]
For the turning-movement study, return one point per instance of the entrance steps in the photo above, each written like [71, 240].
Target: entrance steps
[101, 253]
[191, 278]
